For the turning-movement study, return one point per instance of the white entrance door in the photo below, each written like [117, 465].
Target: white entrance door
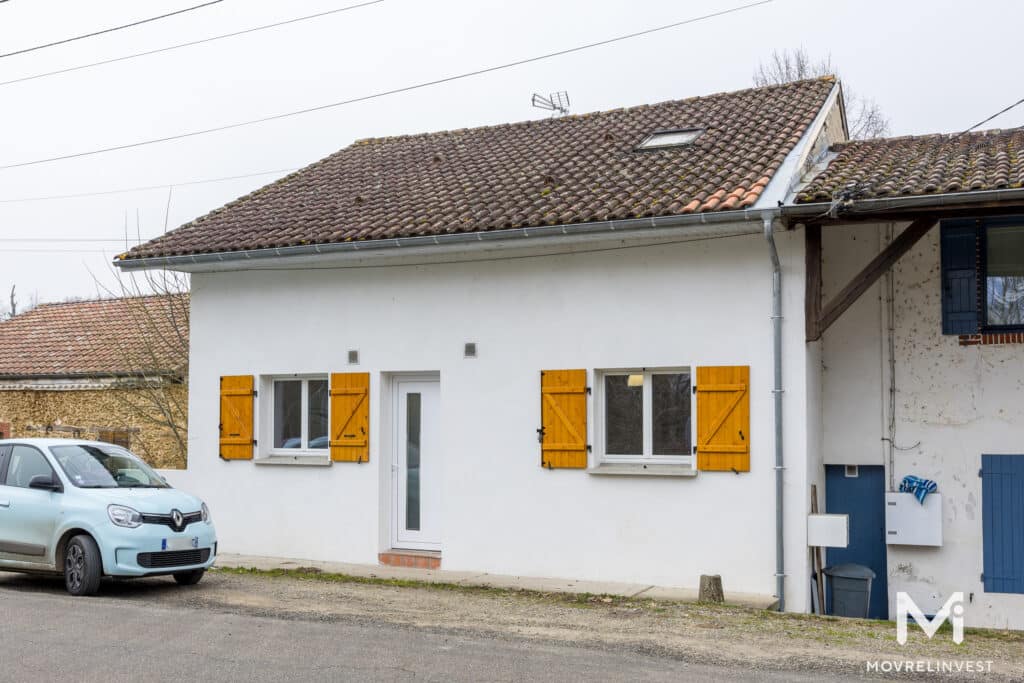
[417, 466]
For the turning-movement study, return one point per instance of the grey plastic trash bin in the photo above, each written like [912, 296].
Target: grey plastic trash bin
[851, 589]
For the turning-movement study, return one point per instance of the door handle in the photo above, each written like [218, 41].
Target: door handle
[5, 503]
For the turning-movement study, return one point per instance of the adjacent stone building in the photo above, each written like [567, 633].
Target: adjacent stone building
[108, 369]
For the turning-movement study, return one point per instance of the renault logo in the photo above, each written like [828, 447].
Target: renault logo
[177, 519]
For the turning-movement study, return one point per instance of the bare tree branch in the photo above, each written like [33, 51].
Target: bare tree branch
[156, 354]
[863, 116]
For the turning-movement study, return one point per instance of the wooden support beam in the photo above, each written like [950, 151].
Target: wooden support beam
[871, 272]
[812, 287]
[71, 429]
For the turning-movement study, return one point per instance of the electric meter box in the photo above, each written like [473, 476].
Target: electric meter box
[911, 522]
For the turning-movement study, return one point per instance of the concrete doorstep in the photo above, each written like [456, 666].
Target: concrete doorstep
[485, 580]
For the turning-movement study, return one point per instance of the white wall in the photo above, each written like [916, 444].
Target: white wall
[851, 351]
[698, 303]
[953, 403]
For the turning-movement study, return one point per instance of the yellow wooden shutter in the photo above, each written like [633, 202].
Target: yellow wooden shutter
[350, 417]
[563, 414]
[723, 418]
[236, 409]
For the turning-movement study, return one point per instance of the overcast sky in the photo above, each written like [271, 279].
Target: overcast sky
[932, 66]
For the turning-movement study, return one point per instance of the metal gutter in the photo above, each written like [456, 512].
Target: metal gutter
[776, 317]
[856, 207]
[510, 237]
[88, 375]
[517, 236]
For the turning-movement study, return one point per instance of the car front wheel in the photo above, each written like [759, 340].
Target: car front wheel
[82, 566]
[189, 578]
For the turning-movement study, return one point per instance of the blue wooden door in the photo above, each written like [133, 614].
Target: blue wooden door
[1002, 494]
[860, 493]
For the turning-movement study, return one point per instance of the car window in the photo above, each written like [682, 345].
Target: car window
[26, 462]
[105, 466]
[4, 450]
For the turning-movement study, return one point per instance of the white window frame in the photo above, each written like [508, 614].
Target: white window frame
[647, 457]
[303, 455]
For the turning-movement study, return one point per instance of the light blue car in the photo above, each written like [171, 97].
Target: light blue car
[89, 509]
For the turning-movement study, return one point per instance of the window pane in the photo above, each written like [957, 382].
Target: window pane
[1004, 281]
[671, 414]
[412, 462]
[26, 463]
[623, 416]
[317, 402]
[288, 414]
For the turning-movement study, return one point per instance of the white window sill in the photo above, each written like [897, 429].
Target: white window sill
[301, 459]
[640, 469]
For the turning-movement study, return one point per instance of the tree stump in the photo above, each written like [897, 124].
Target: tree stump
[711, 589]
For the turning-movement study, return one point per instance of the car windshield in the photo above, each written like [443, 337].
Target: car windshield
[103, 466]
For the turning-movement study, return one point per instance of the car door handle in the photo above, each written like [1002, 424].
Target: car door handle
[5, 503]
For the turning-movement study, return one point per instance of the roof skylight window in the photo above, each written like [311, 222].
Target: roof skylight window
[670, 138]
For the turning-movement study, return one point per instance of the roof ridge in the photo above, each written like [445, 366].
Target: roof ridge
[932, 136]
[564, 120]
[100, 300]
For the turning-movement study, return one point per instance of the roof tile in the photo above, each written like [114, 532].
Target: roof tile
[101, 338]
[573, 169]
[919, 165]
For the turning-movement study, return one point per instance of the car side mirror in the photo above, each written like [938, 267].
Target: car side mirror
[45, 482]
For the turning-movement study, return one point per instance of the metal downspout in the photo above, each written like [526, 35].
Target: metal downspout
[780, 564]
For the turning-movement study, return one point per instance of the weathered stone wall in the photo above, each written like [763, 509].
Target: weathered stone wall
[113, 407]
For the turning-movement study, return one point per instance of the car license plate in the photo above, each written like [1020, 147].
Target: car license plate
[180, 543]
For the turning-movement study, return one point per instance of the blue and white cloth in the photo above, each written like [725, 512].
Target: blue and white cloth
[918, 486]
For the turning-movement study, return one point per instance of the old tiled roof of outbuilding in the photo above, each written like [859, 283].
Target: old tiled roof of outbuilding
[100, 338]
[921, 165]
[573, 169]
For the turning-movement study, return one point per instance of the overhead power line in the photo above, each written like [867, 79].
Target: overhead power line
[385, 93]
[61, 251]
[188, 44]
[143, 188]
[33, 240]
[997, 114]
[109, 30]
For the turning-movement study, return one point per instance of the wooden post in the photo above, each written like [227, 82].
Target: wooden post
[871, 272]
[817, 555]
[711, 589]
[812, 293]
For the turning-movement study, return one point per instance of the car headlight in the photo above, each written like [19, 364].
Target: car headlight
[124, 516]
[206, 514]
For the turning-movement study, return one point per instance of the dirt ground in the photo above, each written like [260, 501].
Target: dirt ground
[705, 634]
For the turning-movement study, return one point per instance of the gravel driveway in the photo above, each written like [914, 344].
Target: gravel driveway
[697, 634]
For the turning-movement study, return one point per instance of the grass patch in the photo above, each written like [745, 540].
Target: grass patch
[826, 629]
[580, 600]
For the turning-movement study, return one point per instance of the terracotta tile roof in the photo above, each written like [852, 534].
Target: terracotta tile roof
[919, 165]
[102, 338]
[573, 169]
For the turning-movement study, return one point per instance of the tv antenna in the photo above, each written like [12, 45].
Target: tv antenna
[557, 102]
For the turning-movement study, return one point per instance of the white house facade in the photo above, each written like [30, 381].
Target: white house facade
[626, 365]
[487, 502]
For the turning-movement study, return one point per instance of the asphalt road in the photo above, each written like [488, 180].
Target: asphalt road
[46, 635]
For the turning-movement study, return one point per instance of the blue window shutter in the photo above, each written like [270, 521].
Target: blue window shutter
[1002, 493]
[959, 278]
